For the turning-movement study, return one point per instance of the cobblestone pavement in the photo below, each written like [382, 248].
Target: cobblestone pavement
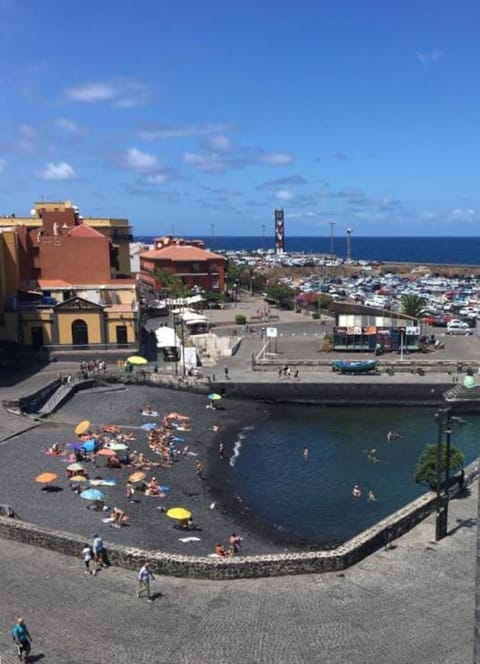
[413, 603]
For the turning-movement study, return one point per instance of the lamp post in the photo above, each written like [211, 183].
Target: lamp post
[444, 419]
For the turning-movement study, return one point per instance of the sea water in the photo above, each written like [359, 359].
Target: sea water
[310, 499]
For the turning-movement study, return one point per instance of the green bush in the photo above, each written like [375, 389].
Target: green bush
[240, 319]
[426, 470]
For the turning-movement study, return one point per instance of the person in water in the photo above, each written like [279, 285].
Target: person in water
[305, 452]
[356, 491]
[371, 497]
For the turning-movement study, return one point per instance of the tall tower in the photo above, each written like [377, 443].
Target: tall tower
[279, 232]
[349, 248]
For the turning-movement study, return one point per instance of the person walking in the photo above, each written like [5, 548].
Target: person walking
[22, 639]
[87, 555]
[145, 575]
[98, 552]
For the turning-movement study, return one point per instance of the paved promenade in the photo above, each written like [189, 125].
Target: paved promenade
[411, 604]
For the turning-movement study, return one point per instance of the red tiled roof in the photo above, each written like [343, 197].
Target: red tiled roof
[84, 231]
[60, 283]
[181, 252]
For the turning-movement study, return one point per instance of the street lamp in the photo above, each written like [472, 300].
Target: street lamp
[445, 421]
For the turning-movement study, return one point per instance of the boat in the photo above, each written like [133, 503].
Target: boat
[354, 366]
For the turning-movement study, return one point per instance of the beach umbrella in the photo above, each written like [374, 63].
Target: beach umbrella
[75, 466]
[137, 360]
[46, 478]
[78, 478]
[105, 451]
[117, 447]
[214, 396]
[178, 513]
[92, 494]
[137, 476]
[89, 445]
[82, 427]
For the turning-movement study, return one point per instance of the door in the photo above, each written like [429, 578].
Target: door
[37, 338]
[121, 331]
[79, 333]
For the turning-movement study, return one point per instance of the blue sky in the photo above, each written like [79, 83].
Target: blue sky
[200, 118]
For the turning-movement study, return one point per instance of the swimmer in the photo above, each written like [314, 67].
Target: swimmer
[305, 452]
[356, 491]
[371, 497]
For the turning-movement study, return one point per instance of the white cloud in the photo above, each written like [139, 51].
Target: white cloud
[428, 215]
[219, 161]
[154, 132]
[276, 158]
[157, 178]
[68, 126]
[140, 161]
[219, 143]
[462, 214]
[428, 58]
[27, 137]
[285, 195]
[122, 93]
[60, 171]
[206, 162]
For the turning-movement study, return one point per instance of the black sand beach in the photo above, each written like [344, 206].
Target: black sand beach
[22, 459]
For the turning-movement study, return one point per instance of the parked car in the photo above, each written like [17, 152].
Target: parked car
[458, 327]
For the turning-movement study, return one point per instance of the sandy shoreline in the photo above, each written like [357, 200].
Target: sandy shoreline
[22, 458]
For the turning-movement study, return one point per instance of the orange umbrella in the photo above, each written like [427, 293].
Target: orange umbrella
[136, 477]
[82, 427]
[46, 478]
[105, 451]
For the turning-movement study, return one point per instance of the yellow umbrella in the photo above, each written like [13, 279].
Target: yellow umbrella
[136, 477]
[78, 478]
[82, 427]
[178, 513]
[137, 360]
[46, 478]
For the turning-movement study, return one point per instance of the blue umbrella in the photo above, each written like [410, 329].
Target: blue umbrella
[92, 494]
[89, 445]
[149, 426]
[214, 396]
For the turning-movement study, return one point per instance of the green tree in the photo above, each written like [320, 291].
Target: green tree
[281, 294]
[170, 284]
[412, 305]
[426, 469]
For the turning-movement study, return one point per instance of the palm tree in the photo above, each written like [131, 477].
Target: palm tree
[412, 305]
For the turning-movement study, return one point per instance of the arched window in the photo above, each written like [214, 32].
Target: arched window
[79, 333]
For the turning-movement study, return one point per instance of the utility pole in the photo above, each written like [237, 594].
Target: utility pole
[332, 226]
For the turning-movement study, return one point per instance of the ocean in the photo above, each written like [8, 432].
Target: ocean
[436, 250]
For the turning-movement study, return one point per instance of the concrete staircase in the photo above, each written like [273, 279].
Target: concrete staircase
[60, 395]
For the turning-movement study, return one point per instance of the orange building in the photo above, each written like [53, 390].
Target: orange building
[188, 260]
[68, 292]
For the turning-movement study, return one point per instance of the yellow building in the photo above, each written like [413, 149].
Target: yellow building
[81, 317]
[8, 283]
